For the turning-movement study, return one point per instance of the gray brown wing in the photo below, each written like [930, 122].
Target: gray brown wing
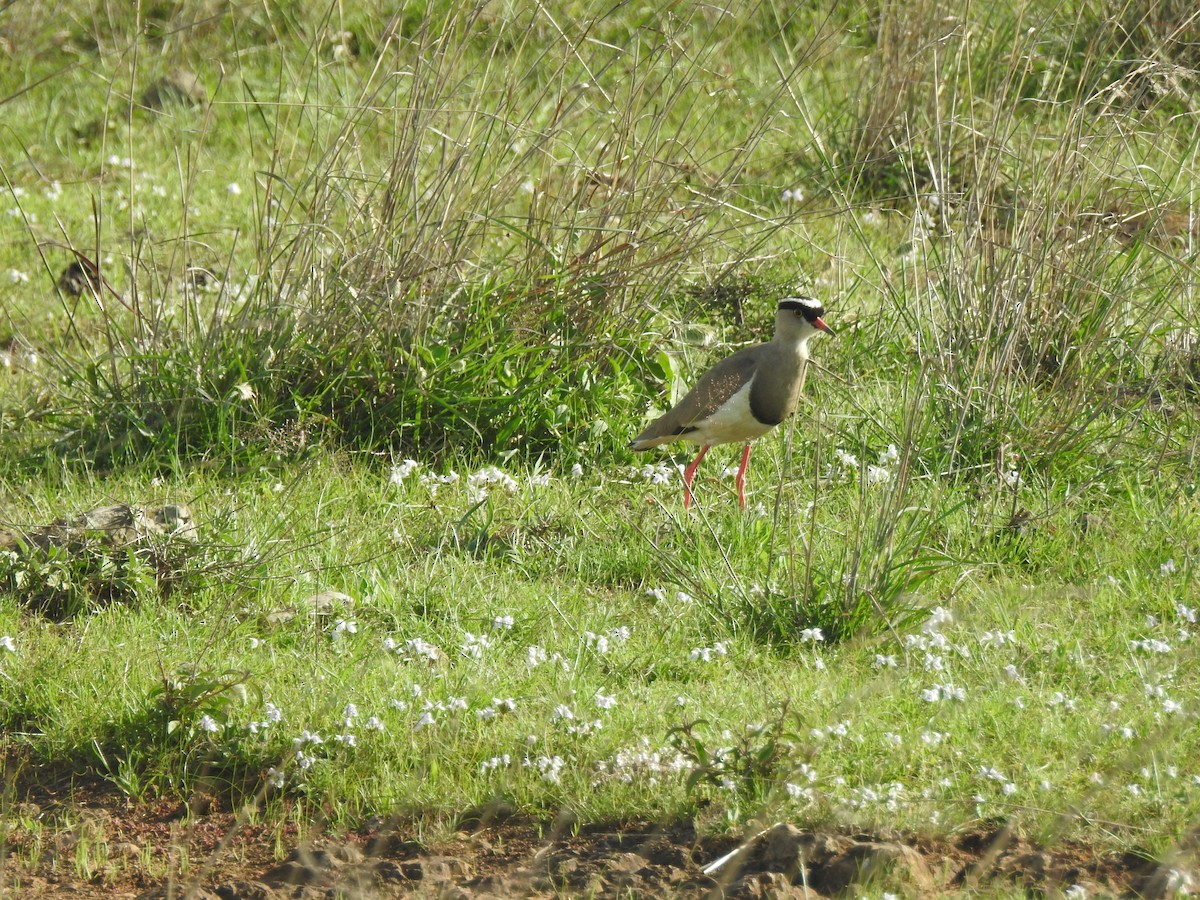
[717, 385]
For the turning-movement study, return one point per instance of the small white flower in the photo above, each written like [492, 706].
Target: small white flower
[605, 701]
[473, 646]
[884, 662]
[1167, 568]
[846, 460]
[233, 188]
[562, 712]
[303, 760]
[402, 471]
[577, 471]
[245, 391]
[938, 616]
[351, 711]
[502, 623]
[7, 643]
[1171, 707]
[811, 634]
[597, 642]
[535, 656]
[425, 721]
[878, 475]
[209, 724]
[348, 740]
[1151, 645]
[943, 691]
[343, 627]
[275, 777]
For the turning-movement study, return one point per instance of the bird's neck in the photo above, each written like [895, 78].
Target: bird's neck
[798, 346]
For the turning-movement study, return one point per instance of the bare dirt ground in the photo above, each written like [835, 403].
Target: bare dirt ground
[166, 849]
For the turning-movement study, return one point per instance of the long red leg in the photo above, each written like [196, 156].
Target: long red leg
[689, 475]
[741, 477]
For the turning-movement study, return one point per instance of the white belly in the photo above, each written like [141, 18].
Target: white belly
[731, 423]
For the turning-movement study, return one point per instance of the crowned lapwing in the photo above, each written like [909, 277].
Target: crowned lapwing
[744, 395]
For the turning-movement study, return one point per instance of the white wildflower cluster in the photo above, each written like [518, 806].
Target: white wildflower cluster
[935, 642]
[488, 477]
[811, 635]
[991, 773]
[499, 705]
[997, 639]
[879, 796]
[271, 716]
[884, 661]
[342, 628]
[474, 645]
[496, 762]
[641, 762]
[602, 643]
[847, 465]
[403, 471]
[548, 767]
[943, 691]
[415, 649]
[933, 738]
[1058, 698]
[1158, 691]
[708, 654]
[939, 617]
[1150, 645]
[432, 711]
[656, 473]
[536, 656]
[839, 729]
[502, 623]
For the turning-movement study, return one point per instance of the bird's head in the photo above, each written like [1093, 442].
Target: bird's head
[800, 318]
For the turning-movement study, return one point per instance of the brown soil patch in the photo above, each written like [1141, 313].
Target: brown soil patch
[94, 844]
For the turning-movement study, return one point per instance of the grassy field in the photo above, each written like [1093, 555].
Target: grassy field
[384, 292]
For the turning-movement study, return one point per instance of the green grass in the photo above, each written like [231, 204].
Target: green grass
[503, 237]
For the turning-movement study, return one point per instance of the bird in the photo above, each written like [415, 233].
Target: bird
[743, 396]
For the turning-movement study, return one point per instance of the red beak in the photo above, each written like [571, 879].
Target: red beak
[818, 322]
